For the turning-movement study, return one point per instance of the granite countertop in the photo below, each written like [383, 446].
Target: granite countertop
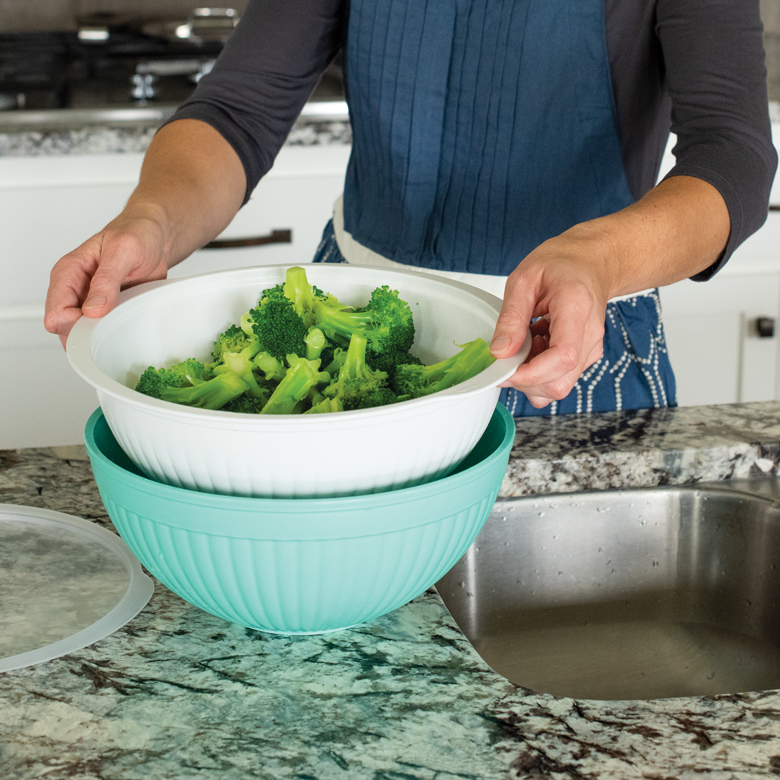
[64, 132]
[178, 693]
[129, 131]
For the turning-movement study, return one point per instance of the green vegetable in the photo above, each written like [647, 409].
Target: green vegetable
[301, 377]
[301, 351]
[325, 406]
[232, 340]
[241, 364]
[414, 381]
[273, 370]
[358, 386]
[315, 343]
[386, 323]
[301, 294]
[154, 380]
[277, 325]
[247, 404]
[211, 394]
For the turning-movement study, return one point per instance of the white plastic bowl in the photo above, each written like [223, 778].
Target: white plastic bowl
[345, 453]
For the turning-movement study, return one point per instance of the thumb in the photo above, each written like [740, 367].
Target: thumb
[511, 327]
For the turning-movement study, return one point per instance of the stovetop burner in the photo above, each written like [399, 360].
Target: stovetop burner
[126, 68]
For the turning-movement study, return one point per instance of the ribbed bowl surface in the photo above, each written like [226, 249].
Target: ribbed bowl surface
[300, 565]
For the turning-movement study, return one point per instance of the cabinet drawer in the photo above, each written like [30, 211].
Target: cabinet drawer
[48, 206]
[299, 202]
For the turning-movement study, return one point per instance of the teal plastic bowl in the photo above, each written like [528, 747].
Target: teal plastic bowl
[300, 565]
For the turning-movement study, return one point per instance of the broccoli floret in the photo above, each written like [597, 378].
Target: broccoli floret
[193, 370]
[357, 385]
[327, 355]
[369, 398]
[212, 394]
[301, 293]
[323, 377]
[405, 359]
[247, 404]
[337, 358]
[277, 325]
[191, 383]
[246, 323]
[325, 406]
[386, 323]
[326, 298]
[390, 362]
[300, 379]
[151, 383]
[273, 369]
[413, 380]
[234, 339]
[185, 374]
[315, 343]
[241, 364]
[301, 351]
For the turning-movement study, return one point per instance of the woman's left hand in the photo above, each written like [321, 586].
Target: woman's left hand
[675, 231]
[562, 282]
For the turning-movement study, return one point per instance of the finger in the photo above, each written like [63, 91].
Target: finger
[574, 338]
[538, 345]
[595, 354]
[68, 285]
[512, 324]
[61, 321]
[555, 389]
[87, 282]
[548, 367]
[542, 380]
[68, 319]
[540, 326]
[538, 401]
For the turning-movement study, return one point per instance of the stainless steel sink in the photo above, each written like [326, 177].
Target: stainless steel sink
[637, 594]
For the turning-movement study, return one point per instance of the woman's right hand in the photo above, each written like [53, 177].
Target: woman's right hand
[130, 250]
[192, 183]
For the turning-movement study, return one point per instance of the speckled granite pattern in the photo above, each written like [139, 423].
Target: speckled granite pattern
[643, 448]
[180, 694]
[135, 140]
[102, 140]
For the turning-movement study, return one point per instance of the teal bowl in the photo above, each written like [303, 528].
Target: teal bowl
[300, 565]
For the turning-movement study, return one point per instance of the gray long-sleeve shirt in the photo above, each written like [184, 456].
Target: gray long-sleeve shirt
[693, 66]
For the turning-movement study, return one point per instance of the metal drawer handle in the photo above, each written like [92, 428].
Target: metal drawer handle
[764, 327]
[274, 237]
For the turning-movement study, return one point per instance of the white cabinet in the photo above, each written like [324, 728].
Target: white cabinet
[49, 205]
[718, 352]
[297, 195]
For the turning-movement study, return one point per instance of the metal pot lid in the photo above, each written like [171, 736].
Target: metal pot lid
[65, 583]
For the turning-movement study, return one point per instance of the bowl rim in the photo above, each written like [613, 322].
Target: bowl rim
[257, 512]
[86, 332]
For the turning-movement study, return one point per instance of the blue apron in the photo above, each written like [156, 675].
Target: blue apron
[481, 128]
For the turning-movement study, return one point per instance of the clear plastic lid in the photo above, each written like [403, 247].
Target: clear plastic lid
[65, 583]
